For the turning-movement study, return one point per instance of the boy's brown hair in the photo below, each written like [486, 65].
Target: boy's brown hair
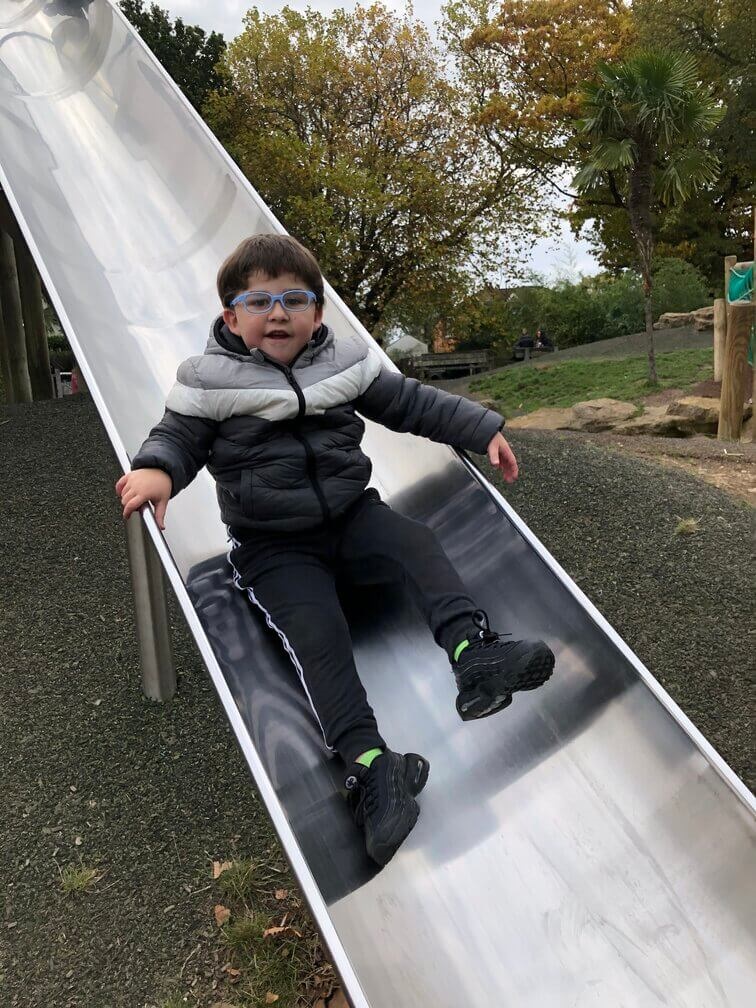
[271, 255]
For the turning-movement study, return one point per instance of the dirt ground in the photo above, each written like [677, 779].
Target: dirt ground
[729, 466]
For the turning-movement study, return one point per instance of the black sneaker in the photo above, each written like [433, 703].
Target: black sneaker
[382, 800]
[490, 670]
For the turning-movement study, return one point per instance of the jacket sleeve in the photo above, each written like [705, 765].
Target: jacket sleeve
[179, 445]
[404, 404]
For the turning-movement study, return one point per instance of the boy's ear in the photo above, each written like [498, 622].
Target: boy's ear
[229, 317]
[318, 318]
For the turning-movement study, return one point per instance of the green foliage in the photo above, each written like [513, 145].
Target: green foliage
[717, 221]
[648, 115]
[647, 118]
[187, 53]
[525, 388]
[355, 135]
[678, 287]
[594, 308]
[722, 37]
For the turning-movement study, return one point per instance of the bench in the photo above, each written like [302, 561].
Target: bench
[441, 365]
[526, 353]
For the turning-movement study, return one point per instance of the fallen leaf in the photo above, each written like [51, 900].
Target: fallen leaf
[271, 998]
[273, 931]
[338, 1000]
[221, 914]
[219, 867]
[281, 894]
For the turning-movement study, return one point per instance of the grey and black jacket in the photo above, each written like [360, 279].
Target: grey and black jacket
[283, 443]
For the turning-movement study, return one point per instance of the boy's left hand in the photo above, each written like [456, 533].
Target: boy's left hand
[502, 456]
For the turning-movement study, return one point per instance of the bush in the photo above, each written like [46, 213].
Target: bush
[678, 287]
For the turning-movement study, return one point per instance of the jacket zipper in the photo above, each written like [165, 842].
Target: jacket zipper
[312, 465]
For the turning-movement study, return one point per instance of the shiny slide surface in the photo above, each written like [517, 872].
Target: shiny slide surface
[586, 847]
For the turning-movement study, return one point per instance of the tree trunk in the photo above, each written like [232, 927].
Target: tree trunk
[639, 210]
[648, 315]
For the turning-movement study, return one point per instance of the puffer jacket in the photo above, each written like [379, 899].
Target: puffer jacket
[283, 443]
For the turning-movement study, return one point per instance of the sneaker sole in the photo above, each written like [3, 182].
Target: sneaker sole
[415, 778]
[495, 693]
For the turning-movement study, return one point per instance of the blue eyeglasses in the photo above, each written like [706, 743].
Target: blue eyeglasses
[261, 302]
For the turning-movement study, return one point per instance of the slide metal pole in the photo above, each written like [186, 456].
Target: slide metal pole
[151, 609]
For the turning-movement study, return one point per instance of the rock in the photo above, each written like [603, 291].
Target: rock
[746, 433]
[656, 421]
[673, 320]
[703, 319]
[700, 319]
[544, 419]
[601, 414]
[702, 411]
[489, 404]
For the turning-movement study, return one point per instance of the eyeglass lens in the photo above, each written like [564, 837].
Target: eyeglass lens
[260, 302]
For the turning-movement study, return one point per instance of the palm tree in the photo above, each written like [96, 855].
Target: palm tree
[647, 118]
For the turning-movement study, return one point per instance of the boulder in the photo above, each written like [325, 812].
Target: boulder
[700, 319]
[601, 414]
[703, 319]
[673, 320]
[543, 419]
[746, 433]
[702, 411]
[655, 421]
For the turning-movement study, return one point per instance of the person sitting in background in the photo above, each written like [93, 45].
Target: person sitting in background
[525, 342]
[542, 341]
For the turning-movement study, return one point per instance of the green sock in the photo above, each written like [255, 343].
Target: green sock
[367, 757]
[460, 648]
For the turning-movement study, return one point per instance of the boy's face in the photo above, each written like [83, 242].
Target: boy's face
[279, 333]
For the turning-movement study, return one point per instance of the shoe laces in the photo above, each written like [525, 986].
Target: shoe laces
[362, 794]
[486, 637]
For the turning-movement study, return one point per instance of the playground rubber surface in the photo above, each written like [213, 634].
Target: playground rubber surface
[151, 794]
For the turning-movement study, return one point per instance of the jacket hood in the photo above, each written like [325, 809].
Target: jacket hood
[222, 341]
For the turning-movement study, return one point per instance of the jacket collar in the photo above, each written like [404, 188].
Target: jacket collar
[222, 340]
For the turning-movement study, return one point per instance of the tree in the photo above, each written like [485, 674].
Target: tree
[648, 118]
[679, 287]
[716, 221]
[187, 53]
[523, 63]
[350, 129]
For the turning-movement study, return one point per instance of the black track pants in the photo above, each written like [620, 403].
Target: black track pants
[291, 576]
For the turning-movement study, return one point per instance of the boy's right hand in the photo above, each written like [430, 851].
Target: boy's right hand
[142, 485]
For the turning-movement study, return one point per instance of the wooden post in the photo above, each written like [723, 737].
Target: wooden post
[19, 385]
[720, 336]
[37, 350]
[739, 318]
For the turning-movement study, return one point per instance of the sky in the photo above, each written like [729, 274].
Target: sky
[549, 257]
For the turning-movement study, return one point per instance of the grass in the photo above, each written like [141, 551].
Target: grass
[272, 952]
[687, 526]
[78, 880]
[527, 388]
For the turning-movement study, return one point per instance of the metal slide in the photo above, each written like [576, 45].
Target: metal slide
[585, 848]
